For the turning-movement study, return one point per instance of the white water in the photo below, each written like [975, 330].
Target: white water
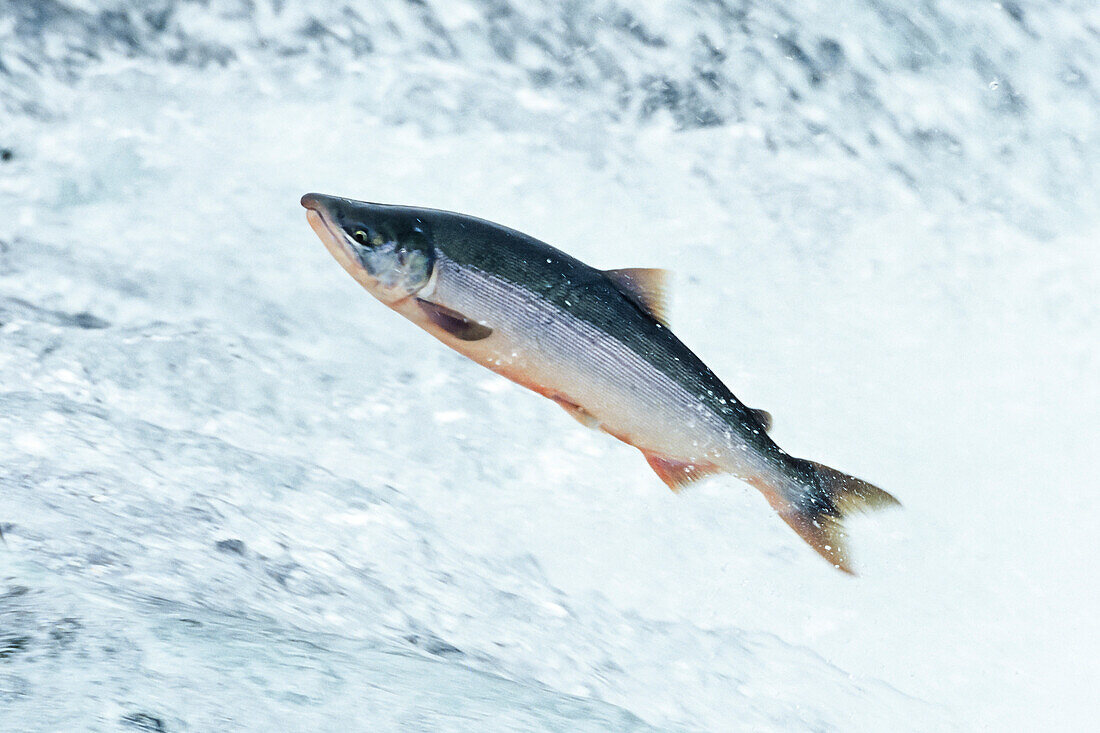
[898, 260]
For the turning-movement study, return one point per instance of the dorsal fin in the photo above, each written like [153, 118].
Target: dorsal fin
[646, 286]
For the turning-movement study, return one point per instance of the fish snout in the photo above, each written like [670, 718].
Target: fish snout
[318, 202]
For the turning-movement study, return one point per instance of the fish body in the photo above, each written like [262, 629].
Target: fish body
[594, 341]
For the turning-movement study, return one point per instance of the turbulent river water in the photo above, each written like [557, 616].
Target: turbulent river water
[237, 493]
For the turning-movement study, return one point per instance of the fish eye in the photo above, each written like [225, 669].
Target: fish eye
[361, 237]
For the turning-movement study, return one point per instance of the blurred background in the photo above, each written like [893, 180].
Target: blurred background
[239, 494]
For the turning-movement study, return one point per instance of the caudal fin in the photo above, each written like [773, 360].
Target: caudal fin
[817, 513]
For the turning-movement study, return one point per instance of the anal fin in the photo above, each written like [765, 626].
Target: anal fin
[679, 474]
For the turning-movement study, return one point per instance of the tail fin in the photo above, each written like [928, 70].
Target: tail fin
[817, 513]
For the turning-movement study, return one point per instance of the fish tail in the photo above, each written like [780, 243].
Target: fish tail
[818, 503]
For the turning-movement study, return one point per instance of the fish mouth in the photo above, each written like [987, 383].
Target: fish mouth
[319, 215]
[318, 212]
[317, 201]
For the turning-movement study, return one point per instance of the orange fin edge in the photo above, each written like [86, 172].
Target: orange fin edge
[678, 474]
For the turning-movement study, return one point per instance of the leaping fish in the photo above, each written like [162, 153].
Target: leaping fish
[596, 342]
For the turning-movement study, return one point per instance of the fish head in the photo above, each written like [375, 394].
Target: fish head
[387, 249]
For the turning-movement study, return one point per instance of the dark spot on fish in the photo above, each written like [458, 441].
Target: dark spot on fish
[12, 645]
[144, 721]
[230, 546]
[6, 154]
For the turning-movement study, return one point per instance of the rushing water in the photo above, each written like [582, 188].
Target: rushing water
[238, 493]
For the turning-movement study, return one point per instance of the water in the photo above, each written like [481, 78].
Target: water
[239, 493]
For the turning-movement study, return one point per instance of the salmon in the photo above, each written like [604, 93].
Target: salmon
[596, 342]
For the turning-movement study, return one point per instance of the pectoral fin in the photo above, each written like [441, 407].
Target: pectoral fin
[454, 322]
[678, 474]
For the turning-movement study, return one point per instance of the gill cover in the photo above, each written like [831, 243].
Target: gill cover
[385, 249]
[396, 258]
